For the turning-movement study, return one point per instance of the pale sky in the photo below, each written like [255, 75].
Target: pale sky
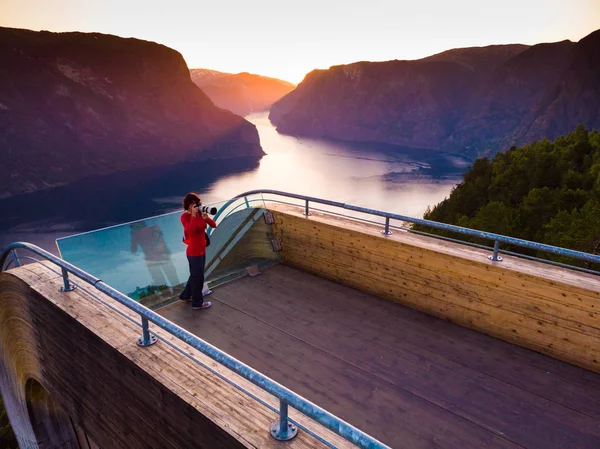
[288, 39]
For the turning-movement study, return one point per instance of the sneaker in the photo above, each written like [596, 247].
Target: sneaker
[205, 305]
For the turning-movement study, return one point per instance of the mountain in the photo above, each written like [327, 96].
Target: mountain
[473, 101]
[508, 99]
[408, 103]
[74, 105]
[574, 97]
[481, 59]
[205, 76]
[242, 93]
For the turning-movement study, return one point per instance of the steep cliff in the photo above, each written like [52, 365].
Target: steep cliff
[398, 102]
[574, 97]
[506, 99]
[472, 101]
[242, 93]
[408, 103]
[75, 105]
[205, 76]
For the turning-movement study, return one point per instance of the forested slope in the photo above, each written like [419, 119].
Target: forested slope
[547, 192]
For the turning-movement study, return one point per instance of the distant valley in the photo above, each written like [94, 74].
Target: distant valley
[79, 105]
[242, 93]
[472, 101]
[76, 105]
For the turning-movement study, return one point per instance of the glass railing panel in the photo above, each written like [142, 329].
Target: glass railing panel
[140, 259]
[240, 241]
[146, 259]
[229, 207]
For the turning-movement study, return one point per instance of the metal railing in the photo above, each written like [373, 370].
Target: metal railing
[496, 238]
[282, 429]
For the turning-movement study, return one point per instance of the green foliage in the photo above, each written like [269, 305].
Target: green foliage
[7, 437]
[547, 192]
[149, 290]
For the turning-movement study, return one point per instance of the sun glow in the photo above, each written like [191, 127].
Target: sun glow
[287, 41]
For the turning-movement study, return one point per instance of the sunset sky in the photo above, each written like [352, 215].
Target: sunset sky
[287, 39]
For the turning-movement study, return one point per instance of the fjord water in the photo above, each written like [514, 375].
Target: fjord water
[376, 176]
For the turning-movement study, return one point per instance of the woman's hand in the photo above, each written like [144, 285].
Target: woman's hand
[204, 215]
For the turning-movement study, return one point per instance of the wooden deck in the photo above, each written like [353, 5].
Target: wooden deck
[409, 379]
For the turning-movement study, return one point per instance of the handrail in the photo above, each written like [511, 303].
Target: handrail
[284, 395]
[433, 224]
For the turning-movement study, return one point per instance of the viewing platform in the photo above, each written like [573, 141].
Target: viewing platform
[416, 341]
[409, 379]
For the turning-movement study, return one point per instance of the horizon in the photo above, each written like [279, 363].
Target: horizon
[261, 38]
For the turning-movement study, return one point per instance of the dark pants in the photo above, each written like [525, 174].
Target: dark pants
[193, 288]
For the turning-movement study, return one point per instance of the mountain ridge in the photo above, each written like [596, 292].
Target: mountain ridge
[75, 105]
[242, 93]
[473, 101]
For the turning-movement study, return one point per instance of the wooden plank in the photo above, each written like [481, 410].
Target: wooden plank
[545, 376]
[103, 343]
[519, 265]
[264, 321]
[515, 328]
[376, 248]
[429, 376]
[559, 297]
[374, 244]
[503, 297]
[542, 318]
[370, 404]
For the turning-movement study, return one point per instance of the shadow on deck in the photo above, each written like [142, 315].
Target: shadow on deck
[408, 379]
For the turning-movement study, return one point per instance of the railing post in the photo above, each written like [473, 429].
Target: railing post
[306, 211]
[495, 257]
[246, 200]
[13, 252]
[282, 429]
[387, 231]
[67, 286]
[146, 339]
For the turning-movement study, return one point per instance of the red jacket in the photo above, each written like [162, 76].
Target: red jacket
[193, 233]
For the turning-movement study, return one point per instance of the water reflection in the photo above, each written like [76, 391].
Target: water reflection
[94, 203]
[157, 254]
[376, 176]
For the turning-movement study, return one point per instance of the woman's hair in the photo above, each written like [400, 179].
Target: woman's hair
[189, 199]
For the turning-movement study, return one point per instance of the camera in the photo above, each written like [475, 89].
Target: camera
[208, 210]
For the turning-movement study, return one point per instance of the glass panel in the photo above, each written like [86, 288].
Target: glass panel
[146, 259]
[241, 240]
[138, 258]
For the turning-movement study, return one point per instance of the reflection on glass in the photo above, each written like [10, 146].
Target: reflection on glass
[157, 254]
[146, 259]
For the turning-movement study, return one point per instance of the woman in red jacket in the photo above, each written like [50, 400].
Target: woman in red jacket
[194, 227]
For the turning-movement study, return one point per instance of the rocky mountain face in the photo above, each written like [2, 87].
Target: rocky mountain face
[574, 97]
[206, 76]
[506, 100]
[242, 93]
[74, 105]
[473, 101]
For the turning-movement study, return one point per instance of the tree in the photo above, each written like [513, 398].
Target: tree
[545, 191]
